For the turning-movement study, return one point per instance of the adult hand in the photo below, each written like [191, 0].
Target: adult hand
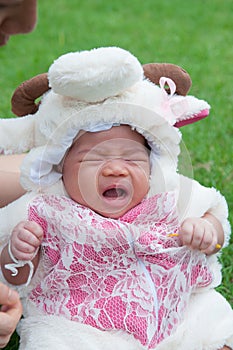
[10, 313]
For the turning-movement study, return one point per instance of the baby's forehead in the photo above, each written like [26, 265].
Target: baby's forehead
[122, 135]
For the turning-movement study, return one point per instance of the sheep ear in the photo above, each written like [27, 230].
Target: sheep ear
[16, 135]
[154, 71]
[192, 119]
[181, 110]
[188, 110]
[24, 97]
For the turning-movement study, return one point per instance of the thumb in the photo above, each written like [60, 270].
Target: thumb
[8, 296]
[11, 304]
[13, 297]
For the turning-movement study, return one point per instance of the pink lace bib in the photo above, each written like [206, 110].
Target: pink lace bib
[116, 274]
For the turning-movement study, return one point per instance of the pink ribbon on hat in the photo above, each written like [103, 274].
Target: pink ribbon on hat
[176, 111]
[166, 105]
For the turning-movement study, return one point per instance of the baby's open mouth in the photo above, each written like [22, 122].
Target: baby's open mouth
[114, 193]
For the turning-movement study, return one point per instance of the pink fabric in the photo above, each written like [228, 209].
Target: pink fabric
[116, 274]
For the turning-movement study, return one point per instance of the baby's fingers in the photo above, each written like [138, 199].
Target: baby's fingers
[34, 228]
[209, 244]
[25, 239]
[186, 233]
[23, 250]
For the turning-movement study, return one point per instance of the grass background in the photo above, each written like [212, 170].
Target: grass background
[196, 35]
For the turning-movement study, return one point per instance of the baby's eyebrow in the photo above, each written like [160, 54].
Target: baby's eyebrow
[99, 151]
[83, 151]
[86, 152]
[135, 150]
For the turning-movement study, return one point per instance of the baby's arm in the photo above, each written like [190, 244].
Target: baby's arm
[25, 240]
[205, 233]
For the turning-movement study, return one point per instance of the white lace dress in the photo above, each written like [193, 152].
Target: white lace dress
[127, 274]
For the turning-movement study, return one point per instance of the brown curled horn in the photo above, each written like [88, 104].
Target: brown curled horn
[154, 71]
[23, 99]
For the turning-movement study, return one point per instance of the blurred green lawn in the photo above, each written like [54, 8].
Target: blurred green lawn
[196, 35]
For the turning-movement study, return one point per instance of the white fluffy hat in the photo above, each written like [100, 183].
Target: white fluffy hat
[94, 90]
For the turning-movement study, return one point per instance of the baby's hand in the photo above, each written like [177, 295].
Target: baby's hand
[26, 237]
[198, 233]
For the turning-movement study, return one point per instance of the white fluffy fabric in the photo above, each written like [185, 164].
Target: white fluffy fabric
[16, 135]
[94, 75]
[51, 332]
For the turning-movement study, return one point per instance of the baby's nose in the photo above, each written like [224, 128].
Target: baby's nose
[115, 167]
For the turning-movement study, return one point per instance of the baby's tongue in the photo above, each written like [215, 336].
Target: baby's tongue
[114, 193]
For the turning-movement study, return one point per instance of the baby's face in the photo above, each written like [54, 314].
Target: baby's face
[108, 171]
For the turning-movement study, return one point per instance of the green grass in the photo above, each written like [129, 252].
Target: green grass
[194, 34]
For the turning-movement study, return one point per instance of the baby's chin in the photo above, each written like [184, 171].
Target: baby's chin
[113, 214]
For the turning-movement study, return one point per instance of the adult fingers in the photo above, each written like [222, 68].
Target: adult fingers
[7, 295]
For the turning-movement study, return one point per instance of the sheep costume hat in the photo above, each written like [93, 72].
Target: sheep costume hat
[93, 91]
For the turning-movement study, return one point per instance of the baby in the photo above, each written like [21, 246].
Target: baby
[108, 171]
[111, 247]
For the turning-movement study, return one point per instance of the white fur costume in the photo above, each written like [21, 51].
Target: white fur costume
[92, 90]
